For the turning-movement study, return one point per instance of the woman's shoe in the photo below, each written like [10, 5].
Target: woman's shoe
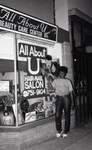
[59, 134]
[64, 135]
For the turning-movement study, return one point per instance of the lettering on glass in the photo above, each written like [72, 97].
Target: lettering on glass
[34, 82]
[34, 86]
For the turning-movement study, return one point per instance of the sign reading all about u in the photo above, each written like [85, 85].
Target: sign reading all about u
[34, 55]
[34, 81]
[18, 22]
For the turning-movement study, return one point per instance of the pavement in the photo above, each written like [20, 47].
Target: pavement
[79, 138]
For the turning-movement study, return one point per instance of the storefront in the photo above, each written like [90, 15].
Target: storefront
[27, 99]
[24, 44]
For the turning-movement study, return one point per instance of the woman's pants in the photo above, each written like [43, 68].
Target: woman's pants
[63, 103]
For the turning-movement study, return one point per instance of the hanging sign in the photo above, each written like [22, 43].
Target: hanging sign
[18, 22]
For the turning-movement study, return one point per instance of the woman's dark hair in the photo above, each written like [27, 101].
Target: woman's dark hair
[49, 57]
[56, 65]
[63, 69]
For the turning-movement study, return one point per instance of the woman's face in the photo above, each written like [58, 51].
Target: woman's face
[48, 64]
[62, 74]
[43, 71]
[53, 68]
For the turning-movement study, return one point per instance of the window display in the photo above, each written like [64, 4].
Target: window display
[37, 95]
[26, 93]
[7, 116]
[34, 97]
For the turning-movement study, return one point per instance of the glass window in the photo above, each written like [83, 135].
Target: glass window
[7, 80]
[37, 97]
[26, 93]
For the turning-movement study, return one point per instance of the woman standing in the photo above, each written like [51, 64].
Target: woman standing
[64, 99]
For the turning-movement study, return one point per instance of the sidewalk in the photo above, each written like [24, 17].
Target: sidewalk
[79, 138]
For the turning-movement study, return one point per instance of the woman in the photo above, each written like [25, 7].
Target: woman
[64, 97]
[55, 69]
[54, 74]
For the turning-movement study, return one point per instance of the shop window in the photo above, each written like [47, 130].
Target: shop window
[26, 94]
[7, 81]
[37, 97]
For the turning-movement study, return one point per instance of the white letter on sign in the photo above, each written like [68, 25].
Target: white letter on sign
[29, 66]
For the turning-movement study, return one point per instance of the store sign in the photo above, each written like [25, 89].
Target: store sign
[34, 82]
[27, 50]
[34, 86]
[34, 55]
[17, 22]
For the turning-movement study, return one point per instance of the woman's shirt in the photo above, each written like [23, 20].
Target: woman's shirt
[62, 86]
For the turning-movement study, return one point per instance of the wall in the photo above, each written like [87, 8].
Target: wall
[67, 59]
[83, 5]
[61, 11]
[40, 9]
[62, 6]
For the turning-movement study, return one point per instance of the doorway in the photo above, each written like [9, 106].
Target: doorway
[83, 87]
[81, 46]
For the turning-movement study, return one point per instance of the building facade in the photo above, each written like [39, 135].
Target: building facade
[29, 31]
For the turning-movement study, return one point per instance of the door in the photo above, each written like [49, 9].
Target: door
[83, 86]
